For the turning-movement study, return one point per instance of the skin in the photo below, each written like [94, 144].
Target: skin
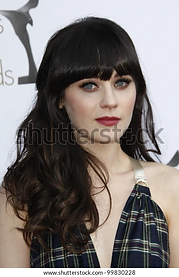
[14, 253]
[89, 99]
[84, 104]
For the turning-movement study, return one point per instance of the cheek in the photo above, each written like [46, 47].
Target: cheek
[75, 107]
[77, 110]
[129, 105]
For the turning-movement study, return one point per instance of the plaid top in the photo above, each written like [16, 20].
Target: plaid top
[141, 240]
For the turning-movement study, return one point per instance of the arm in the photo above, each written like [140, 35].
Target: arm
[14, 252]
[174, 241]
[173, 216]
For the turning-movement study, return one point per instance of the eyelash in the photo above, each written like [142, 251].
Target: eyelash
[127, 81]
[88, 83]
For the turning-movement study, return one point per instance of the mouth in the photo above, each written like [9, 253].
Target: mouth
[108, 121]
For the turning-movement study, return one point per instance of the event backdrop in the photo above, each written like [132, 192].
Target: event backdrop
[26, 26]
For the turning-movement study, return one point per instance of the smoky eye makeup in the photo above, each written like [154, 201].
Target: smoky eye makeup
[123, 82]
[88, 85]
[120, 82]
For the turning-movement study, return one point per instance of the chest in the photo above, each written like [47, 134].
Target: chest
[103, 241]
[142, 241]
[104, 237]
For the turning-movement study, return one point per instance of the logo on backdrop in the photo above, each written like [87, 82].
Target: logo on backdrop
[175, 160]
[19, 20]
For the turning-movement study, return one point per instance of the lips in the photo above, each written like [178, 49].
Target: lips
[108, 121]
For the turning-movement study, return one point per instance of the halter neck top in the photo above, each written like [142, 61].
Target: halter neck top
[141, 239]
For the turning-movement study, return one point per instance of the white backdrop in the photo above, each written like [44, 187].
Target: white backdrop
[153, 26]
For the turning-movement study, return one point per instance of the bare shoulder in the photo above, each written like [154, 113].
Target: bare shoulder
[7, 212]
[163, 182]
[14, 252]
[161, 175]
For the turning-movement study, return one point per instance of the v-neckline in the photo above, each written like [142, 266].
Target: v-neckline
[90, 241]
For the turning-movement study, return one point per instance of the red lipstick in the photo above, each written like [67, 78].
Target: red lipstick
[108, 121]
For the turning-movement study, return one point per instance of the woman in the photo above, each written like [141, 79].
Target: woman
[77, 194]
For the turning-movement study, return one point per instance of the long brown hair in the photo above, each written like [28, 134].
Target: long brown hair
[49, 179]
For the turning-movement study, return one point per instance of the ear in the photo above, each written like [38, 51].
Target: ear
[61, 104]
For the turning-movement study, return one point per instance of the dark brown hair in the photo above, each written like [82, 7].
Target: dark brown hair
[50, 177]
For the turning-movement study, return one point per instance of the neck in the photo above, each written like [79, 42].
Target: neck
[111, 155]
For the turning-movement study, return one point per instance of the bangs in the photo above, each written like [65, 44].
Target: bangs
[95, 52]
[96, 57]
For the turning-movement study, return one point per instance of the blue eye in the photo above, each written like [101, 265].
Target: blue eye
[89, 86]
[123, 82]
[120, 84]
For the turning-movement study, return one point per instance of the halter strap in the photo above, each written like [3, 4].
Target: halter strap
[138, 171]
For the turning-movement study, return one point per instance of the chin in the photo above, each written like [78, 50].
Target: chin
[106, 140]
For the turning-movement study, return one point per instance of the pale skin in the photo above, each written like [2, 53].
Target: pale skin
[102, 99]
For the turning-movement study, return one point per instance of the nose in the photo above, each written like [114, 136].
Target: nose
[109, 99]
